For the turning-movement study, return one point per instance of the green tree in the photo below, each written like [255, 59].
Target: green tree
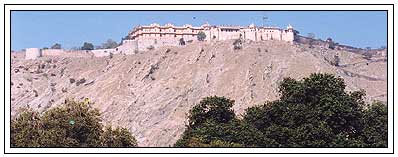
[25, 129]
[375, 125]
[119, 137]
[87, 46]
[217, 109]
[73, 124]
[312, 112]
[181, 41]
[213, 123]
[56, 46]
[201, 36]
[109, 44]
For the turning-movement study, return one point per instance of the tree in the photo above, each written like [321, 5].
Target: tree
[336, 60]
[25, 130]
[119, 137]
[312, 112]
[217, 109]
[201, 36]
[237, 44]
[331, 43]
[56, 46]
[182, 41]
[213, 123]
[375, 125]
[87, 46]
[109, 44]
[73, 124]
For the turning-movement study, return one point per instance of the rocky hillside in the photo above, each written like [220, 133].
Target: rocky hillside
[151, 92]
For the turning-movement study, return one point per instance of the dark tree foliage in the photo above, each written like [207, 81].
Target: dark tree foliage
[87, 46]
[237, 44]
[201, 36]
[312, 112]
[73, 124]
[25, 130]
[109, 44]
[375, 125]
[119, 137]
[217, 109]
[56, 46]
[181, 41]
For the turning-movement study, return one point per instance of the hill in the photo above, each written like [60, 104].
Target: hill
[150, 92]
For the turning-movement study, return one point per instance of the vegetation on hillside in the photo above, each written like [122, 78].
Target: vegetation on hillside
[56, 46]
[313, 112]
[201, 36]
[73, 124]
[87, 46]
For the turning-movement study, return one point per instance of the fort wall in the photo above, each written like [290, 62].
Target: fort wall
[33, 53]
[157, 35]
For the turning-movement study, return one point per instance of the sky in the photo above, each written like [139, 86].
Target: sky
[72, 28]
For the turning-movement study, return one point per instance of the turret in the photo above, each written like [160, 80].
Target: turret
[290, 34]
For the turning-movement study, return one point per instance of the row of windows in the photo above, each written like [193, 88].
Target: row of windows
[147, 30]
[161, 35]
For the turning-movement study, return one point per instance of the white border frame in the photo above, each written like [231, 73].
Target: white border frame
[194, 150]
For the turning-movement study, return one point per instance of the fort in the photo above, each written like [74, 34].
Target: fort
[148, 37]
[155, 35]
[142, 38]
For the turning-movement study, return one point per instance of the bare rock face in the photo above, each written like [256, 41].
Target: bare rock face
[151, 92]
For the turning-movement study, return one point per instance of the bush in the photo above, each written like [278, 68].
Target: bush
[87, 46]
[312, 112]
[331, 44]
[56, 46]
[201, 36]
[182, 42]
[213, 123]
[237, 44]
[375, 125]
[109, 44]
[119, 137]
[73, 124]
[336, 60]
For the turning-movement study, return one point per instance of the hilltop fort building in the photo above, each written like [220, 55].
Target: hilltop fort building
[142, 38]
[155, 35]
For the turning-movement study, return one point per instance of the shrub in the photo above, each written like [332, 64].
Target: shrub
[73, 124]
[87, 46]
[336, 60]
[237, 44]
[201, 36]
[119, 137]
[375, 125]
[331, 43]
[312, 112]
[25, 129]
[56, 46]
[181, 42]
[109, 44]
